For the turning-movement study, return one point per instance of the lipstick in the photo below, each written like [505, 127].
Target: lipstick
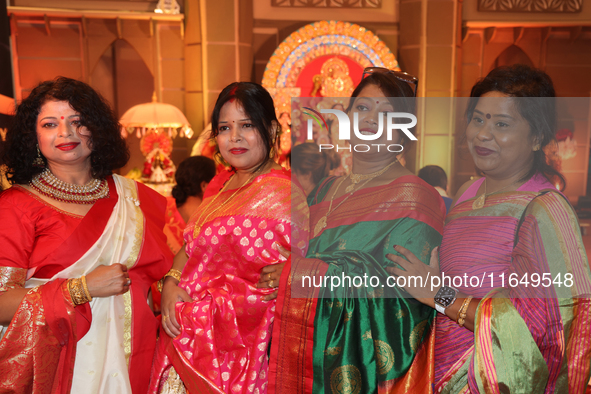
[238, 151]
[68, 146]
[480, 151]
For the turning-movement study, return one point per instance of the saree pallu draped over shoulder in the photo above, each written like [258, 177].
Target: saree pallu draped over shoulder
[226, 329]
[527, 338]
[361, 339]
[52, 346]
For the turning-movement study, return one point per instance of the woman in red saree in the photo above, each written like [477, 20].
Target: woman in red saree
[80, 249]
[217, 340]
[526, 327]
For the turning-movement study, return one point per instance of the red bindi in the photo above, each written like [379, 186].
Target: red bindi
[487, 116]
[62, 117]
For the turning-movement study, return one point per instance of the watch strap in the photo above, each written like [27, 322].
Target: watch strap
[440, 308]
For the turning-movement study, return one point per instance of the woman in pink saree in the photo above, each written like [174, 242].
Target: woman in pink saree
[218, 338]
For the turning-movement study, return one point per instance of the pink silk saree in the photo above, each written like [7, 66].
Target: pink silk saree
[535, 344]
[226, 330]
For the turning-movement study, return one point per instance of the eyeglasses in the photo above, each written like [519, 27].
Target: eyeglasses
[400, 75]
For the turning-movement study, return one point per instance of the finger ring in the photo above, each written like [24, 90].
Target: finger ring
[164, 318]
[128, 281]
[269, 276]
[271, 283]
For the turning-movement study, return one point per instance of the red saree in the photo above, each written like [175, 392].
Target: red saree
[40, 242]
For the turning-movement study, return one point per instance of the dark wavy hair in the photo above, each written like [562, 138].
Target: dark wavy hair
[108, 148]
[189, 175]
[536, 104]
[400, 94]
[258, 106]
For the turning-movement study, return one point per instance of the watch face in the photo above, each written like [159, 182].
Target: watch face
[445, 296]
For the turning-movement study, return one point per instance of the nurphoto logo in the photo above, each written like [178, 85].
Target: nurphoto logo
[345, 129]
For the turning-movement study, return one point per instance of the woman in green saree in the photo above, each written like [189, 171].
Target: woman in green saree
[363, 336]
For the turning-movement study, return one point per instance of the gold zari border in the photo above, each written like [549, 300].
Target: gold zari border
[12, 278]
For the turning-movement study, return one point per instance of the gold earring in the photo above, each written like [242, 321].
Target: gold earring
[537, 147]
[38, 162]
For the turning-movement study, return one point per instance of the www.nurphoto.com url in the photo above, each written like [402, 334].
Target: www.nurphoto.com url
[487, 280]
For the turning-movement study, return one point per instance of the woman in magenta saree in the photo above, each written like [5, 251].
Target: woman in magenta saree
[225, 325]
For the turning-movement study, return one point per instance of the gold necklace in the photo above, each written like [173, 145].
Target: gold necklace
[322, 223]
[49, 185]
[197, 225]
[479, 202]
[356, 178]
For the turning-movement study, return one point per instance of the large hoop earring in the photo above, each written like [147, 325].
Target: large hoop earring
[38, 162]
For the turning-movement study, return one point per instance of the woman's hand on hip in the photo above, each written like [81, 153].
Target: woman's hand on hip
[171, 294]
[417, 275]
[108, 280]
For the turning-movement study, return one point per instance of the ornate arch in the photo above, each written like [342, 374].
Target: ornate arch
[324, 38]
[302, 50]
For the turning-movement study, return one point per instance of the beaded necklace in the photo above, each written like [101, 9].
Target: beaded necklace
[48, 185]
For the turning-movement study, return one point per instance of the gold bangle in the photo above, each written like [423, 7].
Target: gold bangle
[174, 273]
[77, 292]
[85, 286]
[463, 312]
[460, 310]
[159, 285]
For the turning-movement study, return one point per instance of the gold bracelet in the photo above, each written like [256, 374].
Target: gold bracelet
[85, 286]
[174, 273]
[77, 292]
[463, 312]
[159, 285]
[460, 310]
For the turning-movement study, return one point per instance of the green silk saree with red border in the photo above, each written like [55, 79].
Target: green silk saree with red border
[360, 339]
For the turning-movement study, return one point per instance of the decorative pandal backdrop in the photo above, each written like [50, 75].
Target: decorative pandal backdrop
[320, 39]
[156, 124]
[158, 167]
[321, 60]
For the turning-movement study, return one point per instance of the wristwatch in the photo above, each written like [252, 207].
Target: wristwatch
[444, 298]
